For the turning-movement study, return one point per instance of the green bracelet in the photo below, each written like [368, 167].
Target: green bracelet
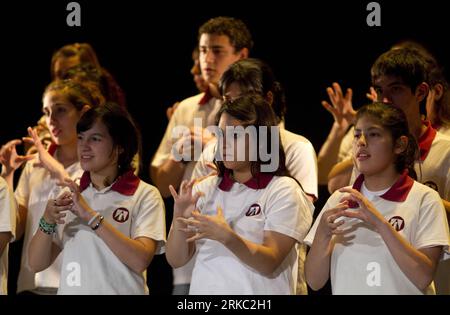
[47, 228]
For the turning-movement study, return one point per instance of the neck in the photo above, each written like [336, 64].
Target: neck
[382, 180]
[66, 154]
[214, 90]
[242, 176]
[105, 177]
[417, 128]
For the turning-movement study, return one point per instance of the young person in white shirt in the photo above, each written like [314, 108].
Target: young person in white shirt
[247, 221]
[116, 222]
[254, 76]
[221, 41]
[63, 104]
[386, 234]
[7, 231]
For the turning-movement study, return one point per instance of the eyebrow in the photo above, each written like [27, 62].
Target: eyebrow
[370, 128]
[213, 46]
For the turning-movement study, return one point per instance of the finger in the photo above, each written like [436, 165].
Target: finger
[338, 90]
[331, 95]
[349, 95]
[197, 196]
[196, 237]
[219, 211]
[183, 187]
[212, 166]
[353, 214]
[328, 107]
[188, 221]
[334, 226]
[173, 192]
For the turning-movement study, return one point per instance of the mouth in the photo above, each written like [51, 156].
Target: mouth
[362, 156]
[86, 157]
[56, 132]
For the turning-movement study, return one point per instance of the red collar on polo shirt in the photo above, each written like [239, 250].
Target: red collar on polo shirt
[426, 139]
[260, 181]
[126, 184]
[206, 97]
[52, 148]
[398, 192]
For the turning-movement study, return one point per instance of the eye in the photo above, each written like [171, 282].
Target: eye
[80, 137]
[357, 135]
[374, 134]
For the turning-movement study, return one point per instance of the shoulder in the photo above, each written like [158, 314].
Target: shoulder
[190, 101]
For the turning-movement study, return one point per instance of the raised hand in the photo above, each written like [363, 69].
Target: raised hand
[184, 201]
[366, 211]
[372, 95]
[47, 161]
[80, 207]
[328, 225]
[213, 227]
[341, 106]
[10, 159]
[56, 209]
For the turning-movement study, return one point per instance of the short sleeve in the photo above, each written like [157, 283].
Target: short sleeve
[149, 220]
[432, 227]
[288, 209]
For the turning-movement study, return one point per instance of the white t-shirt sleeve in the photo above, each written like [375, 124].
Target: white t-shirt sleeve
[7, 210]
[165, 147]
[22, 192]
[149, 221]
[201, 169]
[432, 228]
[345, 149]
[288, 211]
[301, 160]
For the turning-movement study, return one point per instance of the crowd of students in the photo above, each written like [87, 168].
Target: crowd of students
[243, 186]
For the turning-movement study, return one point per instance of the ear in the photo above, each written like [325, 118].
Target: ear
[401, 145]
[438, 91]
[422, 91]
[243, 54]
[85, 109]
[269, 98]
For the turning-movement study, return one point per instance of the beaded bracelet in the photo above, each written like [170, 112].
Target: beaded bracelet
[98, 223]
[47, 228]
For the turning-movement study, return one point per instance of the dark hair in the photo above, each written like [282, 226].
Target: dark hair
[77, 93]
[255, 76]
[394, 120]
[121, 128]
[235, 29]
[407, 64]
[253, 110]
[87, 56]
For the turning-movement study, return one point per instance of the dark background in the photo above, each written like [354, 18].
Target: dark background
[147, 47]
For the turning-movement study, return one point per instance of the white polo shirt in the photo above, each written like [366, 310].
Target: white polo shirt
[301, 163]
[361, 263]
[134, 208]
[264, 203]
[202, 106]
[33, 191]
[8, 225]
[433, 168]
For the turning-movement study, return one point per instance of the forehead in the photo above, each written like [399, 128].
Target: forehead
[54, 97]
[228, 120]
[98, 127]
[387, 80]
[214, 40]
[368, 121]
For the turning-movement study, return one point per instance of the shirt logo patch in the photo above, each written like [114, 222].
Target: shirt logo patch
[431, 184]
[397, 223]
[121, 215]
[254, 209]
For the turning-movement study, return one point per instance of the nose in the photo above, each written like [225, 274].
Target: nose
[195, 70]
[385, 98]
[209, 56]
[362, 140]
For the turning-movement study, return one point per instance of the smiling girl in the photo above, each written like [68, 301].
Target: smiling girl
[385, 234]
[116, 221]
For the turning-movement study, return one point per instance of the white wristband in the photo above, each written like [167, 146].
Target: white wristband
[93, 218]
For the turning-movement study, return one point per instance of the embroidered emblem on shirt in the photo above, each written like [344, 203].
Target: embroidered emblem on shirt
[254, 209]
[397, 223]
[121, 215]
